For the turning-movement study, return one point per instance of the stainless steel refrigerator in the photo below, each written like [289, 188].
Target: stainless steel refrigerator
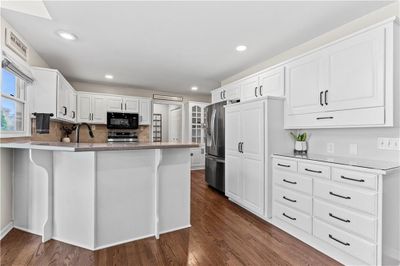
[215, 145]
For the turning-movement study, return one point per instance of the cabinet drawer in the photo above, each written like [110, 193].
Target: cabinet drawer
[355, 246]
[293, 199]
[353, 222]
[360, 179]
[292, 217]
[286, 165]
[293, 181]
[361, 200]
[315, 170]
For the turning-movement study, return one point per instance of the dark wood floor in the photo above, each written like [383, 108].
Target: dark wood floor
[221, 233]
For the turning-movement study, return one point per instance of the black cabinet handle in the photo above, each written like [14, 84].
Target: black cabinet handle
[121, 106]
[291, 200]
[290, 182]
[283, 165]
[261, 90]
[224, 94]
[125, 106]
[324, 117]
[241, 147]
[339, 196]
[65, 110]
[338, 218]
[326, 97]
[73, 114]
[337, 240]
[287, 216]
[352, 179]
[320, 98]
[313, 171]
[220, 95]
[255, 91]
[238, 146]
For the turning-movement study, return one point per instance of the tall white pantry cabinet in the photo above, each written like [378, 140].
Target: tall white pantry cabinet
[253, 131]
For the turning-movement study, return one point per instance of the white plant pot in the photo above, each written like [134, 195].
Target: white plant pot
[300, 146]
[67, 140]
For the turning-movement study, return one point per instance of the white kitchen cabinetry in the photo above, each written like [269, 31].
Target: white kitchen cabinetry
[53, 94]
[144, 111]
[92, 108]
[338, 208]
[244, 180]
[218, 95]
[249, 89]
[348, 83]
[230, 92]
[122, 104]
[196, 133]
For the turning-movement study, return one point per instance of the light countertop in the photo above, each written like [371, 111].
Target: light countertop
[79, 147]
[349, 161]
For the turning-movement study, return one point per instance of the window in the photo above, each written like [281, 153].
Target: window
[13, 103]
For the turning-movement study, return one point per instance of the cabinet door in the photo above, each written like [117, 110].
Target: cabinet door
[303, 84]
[99, 112]
[233, 180]
[253, 184]
[232, 129]
[252, 130]
[145, 112]
[72, 105]
[114, 104]
[249, 89]
[232, 91]
[216, 95]
[356, 72]
[62, 98]
[84, 113]
[131, 105]
[272, 82]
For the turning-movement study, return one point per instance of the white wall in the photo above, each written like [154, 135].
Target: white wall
[163, 110]
[366, 138]
[6, 154]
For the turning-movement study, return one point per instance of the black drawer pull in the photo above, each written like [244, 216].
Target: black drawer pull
[287, 216]
[290, 182]
[313, 171]
[291, 200]
[337, 240]
[352, 179]
[283, 165]
[338, 218]
[340, 196]
[324, 117]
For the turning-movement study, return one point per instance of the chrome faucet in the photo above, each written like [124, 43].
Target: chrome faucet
[78, 127]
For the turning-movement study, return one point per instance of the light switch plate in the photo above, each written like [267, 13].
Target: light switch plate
[330, 147]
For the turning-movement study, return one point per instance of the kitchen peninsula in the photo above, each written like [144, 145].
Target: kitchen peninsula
[100, 195]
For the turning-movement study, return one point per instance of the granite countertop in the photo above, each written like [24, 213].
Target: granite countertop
[349, 161]
[79, 147]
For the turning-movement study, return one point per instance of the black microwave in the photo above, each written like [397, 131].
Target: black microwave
[122, 120]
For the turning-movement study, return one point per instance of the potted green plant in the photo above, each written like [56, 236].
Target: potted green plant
[300, 139]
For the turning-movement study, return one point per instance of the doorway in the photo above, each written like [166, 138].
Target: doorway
[167, 122]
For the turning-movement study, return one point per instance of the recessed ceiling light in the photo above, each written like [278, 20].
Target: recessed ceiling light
[67, 35]
[108, 76]
[241, 48]
[194, 88]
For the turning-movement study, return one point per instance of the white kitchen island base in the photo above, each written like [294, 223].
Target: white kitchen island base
[97, 199]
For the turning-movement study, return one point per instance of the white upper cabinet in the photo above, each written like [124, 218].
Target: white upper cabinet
[84, 110]
[272, 82]
[114, 104]
[232, 91]
[303, 85]
[145, 112]
[346, 84]
[53, 94]
[355, 76]
[92, 108]
[249, 89]
[218, 95]
[131, 105]
[98, 107]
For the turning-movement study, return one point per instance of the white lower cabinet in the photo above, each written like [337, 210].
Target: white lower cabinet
[341, 208]
[198, 158]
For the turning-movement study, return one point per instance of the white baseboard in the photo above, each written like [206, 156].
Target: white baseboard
[4, 231]
[175, 229]
[123, 241]
[27, 230]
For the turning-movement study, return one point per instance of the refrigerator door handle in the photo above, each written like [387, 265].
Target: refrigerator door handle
[213, 126]
[218, 160]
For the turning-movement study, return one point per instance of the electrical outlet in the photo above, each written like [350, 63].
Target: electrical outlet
[382, 144]
[330, 147]
[353, 149]
[389, 144]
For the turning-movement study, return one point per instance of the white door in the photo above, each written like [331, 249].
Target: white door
[99, 112]
[252, 131]
[232, 129]
[62, 98]
[131, 105]
[84, 113]
[175, 125]
[233, 91]
[113, 104]
[217, 95]
[233, 180]
[303, 83]
[249, 89]
[356, 72]
[72, 105]
[145, 112]
[272, 82]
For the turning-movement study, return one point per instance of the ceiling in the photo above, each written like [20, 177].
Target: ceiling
[172, 46]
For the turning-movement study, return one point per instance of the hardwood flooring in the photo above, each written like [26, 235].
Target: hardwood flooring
[221, 234]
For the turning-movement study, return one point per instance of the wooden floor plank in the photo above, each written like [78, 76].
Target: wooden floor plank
[222, 233]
